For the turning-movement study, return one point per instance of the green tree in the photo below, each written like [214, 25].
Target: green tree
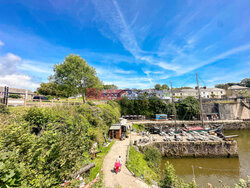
[15, 96]
[153, 157]
[157, 86]
[170, 179]
[188, 108]
[110, 86]
[221, 86]
[75, 75]
[186, 87]
[164, 86]
[53, 89]
[245, 82]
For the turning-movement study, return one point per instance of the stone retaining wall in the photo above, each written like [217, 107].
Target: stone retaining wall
[196, 149]
[227, 125]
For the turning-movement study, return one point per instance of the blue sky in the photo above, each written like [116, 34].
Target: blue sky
[131, 43]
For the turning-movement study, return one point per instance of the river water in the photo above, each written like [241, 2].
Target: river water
[217, 171]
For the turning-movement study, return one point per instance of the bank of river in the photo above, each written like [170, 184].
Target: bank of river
[217, 171]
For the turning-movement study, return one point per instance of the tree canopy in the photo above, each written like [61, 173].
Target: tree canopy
[188, 108]
[160, 87]
[53, 89]
[75, 76]
[245, 82]
[110, 86]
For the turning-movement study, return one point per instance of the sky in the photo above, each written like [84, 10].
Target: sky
[131, 43]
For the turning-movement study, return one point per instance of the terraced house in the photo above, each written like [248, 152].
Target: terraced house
[205, 93]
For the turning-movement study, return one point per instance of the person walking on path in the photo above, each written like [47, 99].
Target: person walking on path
[117, 166]
[120, 160]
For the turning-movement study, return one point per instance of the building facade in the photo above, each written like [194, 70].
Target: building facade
[205, 93]
[27, 94]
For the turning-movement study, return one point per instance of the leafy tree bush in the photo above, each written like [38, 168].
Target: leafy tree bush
[4, 109]
[110, 86]
[75, 75]
[147, 107]
[188, 108]
[39, 118]
[245, 82]
[159, 86]
[170, 179]
[15, 96]
[52, 89]
[153, 157]
[60, 148]
[139, 127]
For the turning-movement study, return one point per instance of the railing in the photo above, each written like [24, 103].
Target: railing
[42, 103]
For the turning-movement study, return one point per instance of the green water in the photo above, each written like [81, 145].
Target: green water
[217, 171]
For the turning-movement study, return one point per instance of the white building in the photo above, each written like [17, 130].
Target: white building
[205, 93]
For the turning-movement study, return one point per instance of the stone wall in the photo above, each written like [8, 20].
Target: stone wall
[228, 111]
[196, 149]
[227, 125]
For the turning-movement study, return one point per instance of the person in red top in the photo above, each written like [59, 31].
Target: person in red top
[117, 166]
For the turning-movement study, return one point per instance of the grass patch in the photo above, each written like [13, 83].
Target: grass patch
[138, 165]
[99, 162]
[139, 127]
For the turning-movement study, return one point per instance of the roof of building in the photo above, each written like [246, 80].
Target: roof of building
[16, 90]
[195, 90]
[237, 87]
[115, 127]
[212, 89]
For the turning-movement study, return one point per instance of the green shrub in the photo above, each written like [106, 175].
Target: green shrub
[50, 97]
[9, 170]
[170, 179]
[153, 157]
[38, 118]
[4, 109]
[147, 107]
[59, 148]
[15, 96]
[138, 127]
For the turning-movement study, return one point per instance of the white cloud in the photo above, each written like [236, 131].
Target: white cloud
[8, 63]
[153, 72]
[36, 66]
[199, 63]
[1, 43]
[120, 71]
[18, 81]
[112, 14]
[132, 84]
[168, 66]
[11, 68]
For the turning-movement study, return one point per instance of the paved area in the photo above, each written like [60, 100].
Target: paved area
[124, 178]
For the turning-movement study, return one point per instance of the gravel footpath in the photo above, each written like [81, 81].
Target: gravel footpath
[124, 178]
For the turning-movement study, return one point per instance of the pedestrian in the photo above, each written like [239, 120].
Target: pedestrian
[117, 166]
[120, 160]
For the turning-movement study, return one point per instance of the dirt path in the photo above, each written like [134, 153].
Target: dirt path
[124, 178]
